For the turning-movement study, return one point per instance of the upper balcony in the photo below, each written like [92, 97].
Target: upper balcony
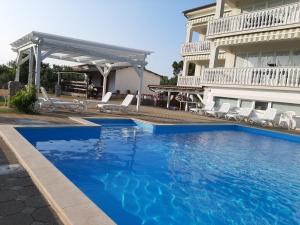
[269, 77]
[193, 48]
[257, 21]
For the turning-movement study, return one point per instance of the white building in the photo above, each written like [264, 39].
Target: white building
[121, 79]
[247, 52]
[126, 79]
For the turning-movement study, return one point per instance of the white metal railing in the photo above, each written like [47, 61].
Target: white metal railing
[187, 81]
[269, 76]
[195, 47]
[277, 16]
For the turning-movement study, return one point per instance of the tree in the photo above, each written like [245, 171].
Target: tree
[48, 74]
[7, 73]
[177, 67]
[177, 70]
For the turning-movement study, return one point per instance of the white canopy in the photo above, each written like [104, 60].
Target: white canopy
[104, 56]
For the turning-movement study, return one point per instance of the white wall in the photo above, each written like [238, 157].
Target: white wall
[111, 82]
[292, 97]
[127, 79]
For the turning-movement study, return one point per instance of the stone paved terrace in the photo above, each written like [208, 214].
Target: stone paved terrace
[20, 201]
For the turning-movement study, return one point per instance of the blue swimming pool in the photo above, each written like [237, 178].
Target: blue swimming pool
[200, 174]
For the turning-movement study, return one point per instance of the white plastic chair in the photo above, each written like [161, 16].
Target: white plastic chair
[267, 118]
[223, 110]
[287, 120]
[123, 106]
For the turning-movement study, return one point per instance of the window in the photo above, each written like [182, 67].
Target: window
[260, 6]
[247, 9]
[241, 61]
[296, 58]
[219, 101]
[267, 59]
[253, 60]
[275, 3]
[283, 58]
[261, 105]
[246, 104]
[290, 1]
[283, 107]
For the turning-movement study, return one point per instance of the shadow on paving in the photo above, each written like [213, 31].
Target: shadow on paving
[20, 201]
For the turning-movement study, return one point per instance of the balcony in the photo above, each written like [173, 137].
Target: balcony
[195, 48]
[266, 77]
[255, 21]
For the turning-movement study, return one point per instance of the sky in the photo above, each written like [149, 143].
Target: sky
[154, 25]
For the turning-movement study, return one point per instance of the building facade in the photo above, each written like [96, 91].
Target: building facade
[125, 80]
[121, 79]
[246, 52]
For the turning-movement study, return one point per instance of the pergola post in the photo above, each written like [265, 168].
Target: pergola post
[104, 73]
[168, 100]
[58, 78]
[18, 63]
[38, 61]
[186, 108]
[140, 72]
[31, 69]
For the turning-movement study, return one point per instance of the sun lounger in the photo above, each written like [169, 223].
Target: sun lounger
[123, 106]
[51, 104]
[240, 115]
[207, 107]
[104, 100]
[267, 118]
[223, 110]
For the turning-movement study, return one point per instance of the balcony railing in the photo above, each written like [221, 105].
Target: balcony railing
[270, 76]
[195, 48]
[277, 16]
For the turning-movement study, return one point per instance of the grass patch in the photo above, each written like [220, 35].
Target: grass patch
[2, 101]
[4, 109]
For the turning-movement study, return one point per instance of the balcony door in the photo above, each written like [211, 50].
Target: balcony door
[247, 60]
[253, 60]
[267, 59]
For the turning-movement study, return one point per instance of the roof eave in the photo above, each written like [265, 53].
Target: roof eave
[198, 8]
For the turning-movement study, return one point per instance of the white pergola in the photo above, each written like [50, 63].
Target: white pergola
[105, 57]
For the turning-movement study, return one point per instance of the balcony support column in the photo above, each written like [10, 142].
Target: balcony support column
[198, 69]
[213, 58]
[220, 9]
[185, 70]
[189, 34]
[202, 36]
[229, 59]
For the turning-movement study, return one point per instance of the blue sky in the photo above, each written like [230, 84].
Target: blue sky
[155, 25]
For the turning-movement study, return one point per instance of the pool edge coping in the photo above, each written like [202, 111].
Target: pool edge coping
[71, 205]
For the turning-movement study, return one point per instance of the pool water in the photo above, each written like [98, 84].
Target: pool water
[178, 174]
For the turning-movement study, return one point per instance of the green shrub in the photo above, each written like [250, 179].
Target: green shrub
[25, 99]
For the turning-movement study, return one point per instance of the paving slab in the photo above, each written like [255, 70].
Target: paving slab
[21, 203]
